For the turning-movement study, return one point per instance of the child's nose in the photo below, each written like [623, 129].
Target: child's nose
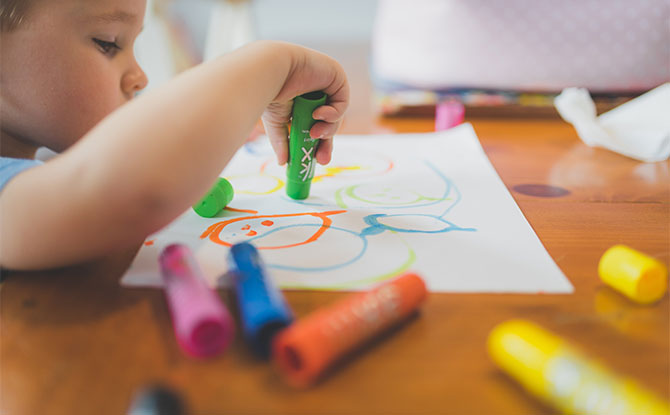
[134, 81]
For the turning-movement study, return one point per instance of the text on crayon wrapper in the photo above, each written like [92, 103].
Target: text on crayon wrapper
[364, 316]
[307, 161]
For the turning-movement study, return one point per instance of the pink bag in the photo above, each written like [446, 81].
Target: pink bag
[523, 45]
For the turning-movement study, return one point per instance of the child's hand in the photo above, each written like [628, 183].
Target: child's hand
[311, 71]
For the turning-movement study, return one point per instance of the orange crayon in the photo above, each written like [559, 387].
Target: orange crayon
[304, 350]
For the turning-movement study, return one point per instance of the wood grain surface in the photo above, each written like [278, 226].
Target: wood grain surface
[73, 341]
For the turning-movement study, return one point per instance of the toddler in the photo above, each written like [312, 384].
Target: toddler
[127, 167]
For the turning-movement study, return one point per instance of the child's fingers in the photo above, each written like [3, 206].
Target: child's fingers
[338, 98]
[323, 130]
[278, 135]
[325, 151]
[275, 120]
[279, 140]
[327, 113]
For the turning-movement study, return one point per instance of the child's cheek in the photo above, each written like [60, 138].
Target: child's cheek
[80, 106]
[96, 99]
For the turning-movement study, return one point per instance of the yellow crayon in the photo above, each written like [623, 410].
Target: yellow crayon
[638, 276]
[559, 374]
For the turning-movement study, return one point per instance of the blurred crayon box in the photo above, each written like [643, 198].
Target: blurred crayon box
[483, 103]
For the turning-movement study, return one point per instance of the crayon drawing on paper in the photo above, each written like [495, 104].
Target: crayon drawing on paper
[386, 204]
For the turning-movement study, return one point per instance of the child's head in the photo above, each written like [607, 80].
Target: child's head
[12, 13]
[65, 65]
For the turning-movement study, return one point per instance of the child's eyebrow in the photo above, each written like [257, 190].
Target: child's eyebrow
[116, 16]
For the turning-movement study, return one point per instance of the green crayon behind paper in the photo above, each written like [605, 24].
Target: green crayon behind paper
[302, 148]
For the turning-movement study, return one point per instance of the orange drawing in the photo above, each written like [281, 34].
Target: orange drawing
[214, 231]
[264, 166]
[252, 233]
[267, 223]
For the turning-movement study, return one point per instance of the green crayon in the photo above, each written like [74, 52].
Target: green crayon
[216, 199]
[302, 148]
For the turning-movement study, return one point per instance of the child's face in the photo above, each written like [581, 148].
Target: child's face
[68, 67]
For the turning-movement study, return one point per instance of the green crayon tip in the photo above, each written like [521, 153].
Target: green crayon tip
[216, 199]
[302, 148]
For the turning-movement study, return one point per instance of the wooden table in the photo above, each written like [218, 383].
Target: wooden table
[75, 342]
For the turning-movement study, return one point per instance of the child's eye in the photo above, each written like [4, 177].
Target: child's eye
[108, 48]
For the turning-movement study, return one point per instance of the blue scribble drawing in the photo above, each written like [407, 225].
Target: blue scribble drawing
[376, 227]
[378, 223]
[364, 247]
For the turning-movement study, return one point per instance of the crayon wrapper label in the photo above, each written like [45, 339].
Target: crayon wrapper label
[302, 147]
[178, 277]
[364, 317]
[304, 166]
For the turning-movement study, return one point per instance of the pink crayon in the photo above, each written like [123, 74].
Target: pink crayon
[202, 324]
[448, 114]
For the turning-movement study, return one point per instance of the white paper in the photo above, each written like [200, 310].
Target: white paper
[386, 204]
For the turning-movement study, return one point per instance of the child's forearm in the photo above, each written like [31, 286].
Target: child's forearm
[172, 143]
[151, 159]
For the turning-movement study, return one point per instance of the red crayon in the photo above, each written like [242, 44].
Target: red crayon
[309, 346]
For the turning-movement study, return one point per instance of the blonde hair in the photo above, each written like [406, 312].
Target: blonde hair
[13, 13]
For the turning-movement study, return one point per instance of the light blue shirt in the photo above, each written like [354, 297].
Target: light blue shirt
[10, 167]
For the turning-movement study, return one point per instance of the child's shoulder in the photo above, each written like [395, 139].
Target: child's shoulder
[10, 167]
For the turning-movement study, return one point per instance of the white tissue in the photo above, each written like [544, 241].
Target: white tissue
[639, 128]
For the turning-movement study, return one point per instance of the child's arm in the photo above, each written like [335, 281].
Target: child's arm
[150, 160]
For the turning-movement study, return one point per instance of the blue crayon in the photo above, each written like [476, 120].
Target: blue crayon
[262, 307]
[157, 400]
